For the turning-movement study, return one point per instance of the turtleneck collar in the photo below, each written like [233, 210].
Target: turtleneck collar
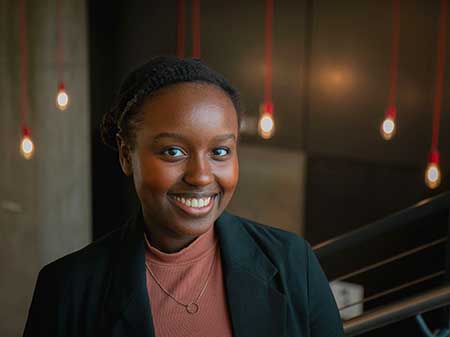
[196, 250]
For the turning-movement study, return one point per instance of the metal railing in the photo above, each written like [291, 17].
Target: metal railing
[427, 301]
[397, 311]
[397, 220]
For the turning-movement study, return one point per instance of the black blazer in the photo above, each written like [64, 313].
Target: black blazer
[274, 285]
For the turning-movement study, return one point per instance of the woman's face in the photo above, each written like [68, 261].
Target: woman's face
[184, 163]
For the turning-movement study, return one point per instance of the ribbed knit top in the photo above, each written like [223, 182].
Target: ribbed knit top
[184, 274]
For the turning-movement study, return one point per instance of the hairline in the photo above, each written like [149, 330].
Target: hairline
[136, 110]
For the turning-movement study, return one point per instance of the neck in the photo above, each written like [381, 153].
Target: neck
[165, 245]
[164, 240]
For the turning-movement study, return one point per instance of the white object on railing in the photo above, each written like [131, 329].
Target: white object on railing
[346, 293]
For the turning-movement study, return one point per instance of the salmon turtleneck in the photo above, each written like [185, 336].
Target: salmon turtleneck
[184, 275]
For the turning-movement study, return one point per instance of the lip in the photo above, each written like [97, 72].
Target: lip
[196, 212]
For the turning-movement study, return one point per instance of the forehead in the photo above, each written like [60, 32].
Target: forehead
[189, 107]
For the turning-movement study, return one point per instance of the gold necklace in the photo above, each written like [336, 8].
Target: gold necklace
[191, 307]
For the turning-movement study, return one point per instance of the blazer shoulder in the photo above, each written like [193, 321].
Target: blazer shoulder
[86, 259]
[275, 241]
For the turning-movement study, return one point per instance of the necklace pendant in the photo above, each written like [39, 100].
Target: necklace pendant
[192, 308]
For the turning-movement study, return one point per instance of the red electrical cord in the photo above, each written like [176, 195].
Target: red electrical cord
[394, 52]
[268, 57]
[23, 67]
[439, 75]
[196, 28]
[180, 28]
[59, 47]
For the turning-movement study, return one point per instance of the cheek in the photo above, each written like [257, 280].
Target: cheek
[229, 175]
[152, 178]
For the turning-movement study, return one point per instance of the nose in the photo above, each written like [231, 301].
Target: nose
[198, 171]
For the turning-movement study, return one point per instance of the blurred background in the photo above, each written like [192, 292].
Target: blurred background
[324, 172]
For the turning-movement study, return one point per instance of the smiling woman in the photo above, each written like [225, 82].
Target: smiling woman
[184, 153]
[182, 266]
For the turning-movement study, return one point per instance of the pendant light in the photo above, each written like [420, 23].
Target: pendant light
[433, 171]
[389, 125]
[266, 122]
[26, 146]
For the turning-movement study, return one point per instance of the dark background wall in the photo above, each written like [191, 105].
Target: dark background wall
[330, 88]
[331, 82]
[352, 172]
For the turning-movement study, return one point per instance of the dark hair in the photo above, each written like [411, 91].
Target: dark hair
[156, 74]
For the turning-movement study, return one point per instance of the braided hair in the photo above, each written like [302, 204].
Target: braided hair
[145, 80]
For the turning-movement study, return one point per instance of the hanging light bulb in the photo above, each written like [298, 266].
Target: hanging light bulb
[433, 171]
[388, 127]
[26, 144]
[266, 123]
[62, 99]
[433, 175]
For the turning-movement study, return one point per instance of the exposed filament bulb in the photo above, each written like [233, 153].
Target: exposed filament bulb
[388, 126]
[266, 123]
[433, 175]
[387, 129]
[62, 98]
[433, 171]
[26, 145]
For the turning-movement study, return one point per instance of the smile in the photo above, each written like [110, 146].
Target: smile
[193, 202]
[194, 206]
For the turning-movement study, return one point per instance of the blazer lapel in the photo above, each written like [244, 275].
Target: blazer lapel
[256, 307]
[128, 305]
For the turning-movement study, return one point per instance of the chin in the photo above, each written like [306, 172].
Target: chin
[194, 227]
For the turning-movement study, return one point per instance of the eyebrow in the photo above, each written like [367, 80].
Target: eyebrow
[182, 137]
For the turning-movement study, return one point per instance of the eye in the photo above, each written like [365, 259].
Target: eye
[221, 151]
[173, 152]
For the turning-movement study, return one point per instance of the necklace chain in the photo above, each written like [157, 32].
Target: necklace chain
[191, 307]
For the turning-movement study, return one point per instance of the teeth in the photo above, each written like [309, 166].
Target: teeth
[194, 202]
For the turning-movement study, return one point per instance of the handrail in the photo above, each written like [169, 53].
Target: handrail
[427, 301]
[396, 220]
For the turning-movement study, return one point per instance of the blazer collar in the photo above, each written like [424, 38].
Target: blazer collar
[128, 297]
[240, 251]
[256, 308]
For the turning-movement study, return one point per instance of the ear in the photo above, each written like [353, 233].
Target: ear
[124, 156]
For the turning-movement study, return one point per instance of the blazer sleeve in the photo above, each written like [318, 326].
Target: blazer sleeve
[42, 318]
[324, 318]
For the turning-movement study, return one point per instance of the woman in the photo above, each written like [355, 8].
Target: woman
[183, 266]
